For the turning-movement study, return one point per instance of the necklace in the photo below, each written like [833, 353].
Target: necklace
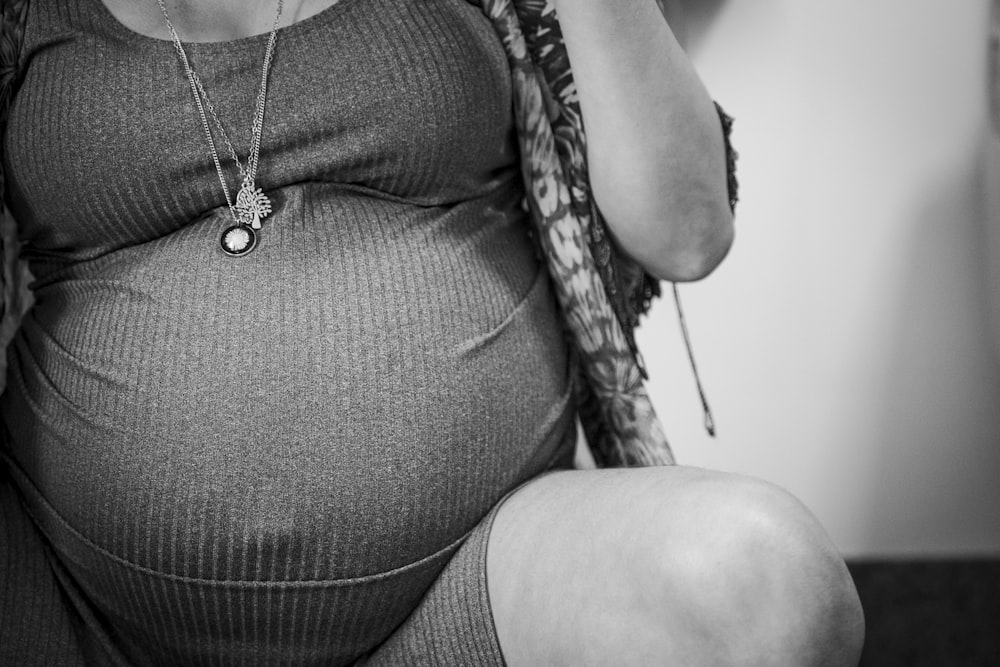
[251, 205]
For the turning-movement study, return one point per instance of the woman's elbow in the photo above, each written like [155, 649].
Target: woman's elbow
[693, 249]
[678, 230]
[705, 254]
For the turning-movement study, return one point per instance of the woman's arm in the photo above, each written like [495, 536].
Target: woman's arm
[654, 140]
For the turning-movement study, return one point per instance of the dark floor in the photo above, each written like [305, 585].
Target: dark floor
[930, 612]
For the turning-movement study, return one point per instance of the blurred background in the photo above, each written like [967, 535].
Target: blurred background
[850, 343]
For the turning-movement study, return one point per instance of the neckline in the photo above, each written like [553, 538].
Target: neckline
[309, 22]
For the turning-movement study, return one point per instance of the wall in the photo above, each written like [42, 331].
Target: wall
[845, 343]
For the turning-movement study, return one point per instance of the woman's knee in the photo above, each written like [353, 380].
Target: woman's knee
[752, 576]
[667, 566]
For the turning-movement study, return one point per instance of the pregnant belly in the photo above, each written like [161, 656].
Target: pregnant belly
[356, 403]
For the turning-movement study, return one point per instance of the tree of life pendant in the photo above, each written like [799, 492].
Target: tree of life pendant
[251, 204]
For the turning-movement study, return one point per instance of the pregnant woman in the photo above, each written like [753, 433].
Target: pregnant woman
[294, 388]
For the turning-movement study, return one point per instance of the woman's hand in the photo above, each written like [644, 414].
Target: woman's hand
[654, 141]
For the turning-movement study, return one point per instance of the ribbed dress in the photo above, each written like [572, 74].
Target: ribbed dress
[271, 458]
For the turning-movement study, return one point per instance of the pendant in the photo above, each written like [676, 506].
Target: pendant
[251, 204]
[238, 240]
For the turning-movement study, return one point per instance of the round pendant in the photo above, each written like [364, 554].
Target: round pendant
[238, 240]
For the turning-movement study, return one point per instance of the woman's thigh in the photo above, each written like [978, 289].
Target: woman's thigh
[666, 566]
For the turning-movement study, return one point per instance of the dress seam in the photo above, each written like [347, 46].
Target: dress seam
[36, 501]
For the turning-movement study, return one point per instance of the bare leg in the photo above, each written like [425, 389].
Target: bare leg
[667, 566]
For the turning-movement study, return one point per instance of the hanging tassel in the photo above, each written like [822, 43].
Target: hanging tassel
[706, 409]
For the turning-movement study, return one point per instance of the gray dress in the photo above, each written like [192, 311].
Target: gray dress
[272, 458]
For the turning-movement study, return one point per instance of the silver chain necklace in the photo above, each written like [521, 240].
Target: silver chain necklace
[251, 204]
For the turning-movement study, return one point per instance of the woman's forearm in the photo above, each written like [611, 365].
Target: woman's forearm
[655, 145]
